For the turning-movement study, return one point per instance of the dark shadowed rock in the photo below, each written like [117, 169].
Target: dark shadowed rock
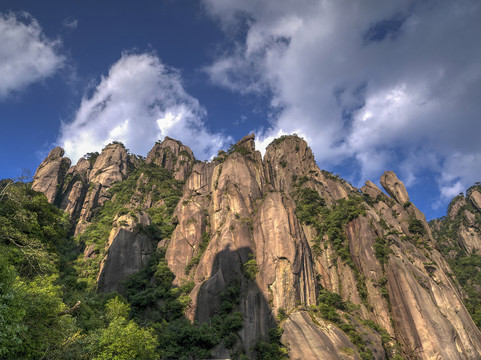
[127, 254]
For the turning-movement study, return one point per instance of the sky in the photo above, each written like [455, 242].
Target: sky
[371, 85]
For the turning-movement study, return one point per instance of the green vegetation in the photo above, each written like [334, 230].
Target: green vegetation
[312, 210]
[382, 250]
[330, 305]
[416, 227]
[39, 317]
[250, 268]
[91, 157]
[240, 149]
[48, 304]
[272, 349]
[196, 258]
[465, 265]
[158, 186]
[309, 206]
[124, 339]
[278, 140]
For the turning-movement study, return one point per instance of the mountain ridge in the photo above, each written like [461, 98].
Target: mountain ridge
[356, 269]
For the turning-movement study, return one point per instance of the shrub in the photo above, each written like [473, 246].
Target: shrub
[250, 268]
[416, 227]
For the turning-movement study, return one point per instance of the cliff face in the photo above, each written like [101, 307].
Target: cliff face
[349, 273]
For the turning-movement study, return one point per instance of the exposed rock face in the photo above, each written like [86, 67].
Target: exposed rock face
[308, 341]
[49, 175]
[286, 271]
[111, 166]
[475, 197]
[394, 187]
[75, 188]
[128, 252]
[373, 250]
[173, 156]
[464, 221]
[372, 190]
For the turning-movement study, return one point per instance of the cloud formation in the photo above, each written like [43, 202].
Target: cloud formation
[381, 85]
[141, 100]
[70, 23]
[26, 54]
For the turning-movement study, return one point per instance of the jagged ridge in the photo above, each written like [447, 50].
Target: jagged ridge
[375, 251]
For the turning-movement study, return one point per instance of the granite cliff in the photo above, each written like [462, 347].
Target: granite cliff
[346, 273]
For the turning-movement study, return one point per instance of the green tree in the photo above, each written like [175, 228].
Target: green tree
[124, 339]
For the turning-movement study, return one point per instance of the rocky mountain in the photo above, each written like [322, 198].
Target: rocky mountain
[286, 257]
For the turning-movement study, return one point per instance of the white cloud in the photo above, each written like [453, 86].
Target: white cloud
[70, 23]
[26, 54]
[141, 100]
[392, 85]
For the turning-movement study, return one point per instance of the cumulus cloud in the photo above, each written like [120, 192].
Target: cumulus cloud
[381, 83]
[141, 100]
[26, 54]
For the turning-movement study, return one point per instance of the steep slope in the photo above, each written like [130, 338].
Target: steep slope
[261, 242]
[458, 237]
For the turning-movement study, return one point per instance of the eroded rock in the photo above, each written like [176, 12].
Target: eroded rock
[49, 176]
[174, 156]
[394, 187]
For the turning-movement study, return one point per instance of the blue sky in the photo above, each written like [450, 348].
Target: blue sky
[371, 85]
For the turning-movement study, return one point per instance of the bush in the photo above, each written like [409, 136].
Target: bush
[250, 268]
[416, 227]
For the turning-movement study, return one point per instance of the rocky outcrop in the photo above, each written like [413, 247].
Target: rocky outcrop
[110, 166]
[306, 340]
[394, 187]
[174, 156]
[74, 189]
[240, 221]
[128, 252]
[463, 221]
[49, 175]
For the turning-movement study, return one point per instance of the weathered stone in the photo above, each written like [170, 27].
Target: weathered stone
[394, 187]
[455, 206]
[475, 198]
[242, 208]
[111, 166]
[173, 156]
[372, 190]
[305, 340]
[287, 160]
[286, 273]
[49, 176]
[127, 254]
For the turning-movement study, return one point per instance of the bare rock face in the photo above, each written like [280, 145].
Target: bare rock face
[75, 188]
[464, 221]
[308, 341]
[458, 203]
[394, 187]
[372, 190]
[239, 222]
[475, 197]
[292, 151]
[49, 175]
[286, 274]
[111, 166]
[127, 254]
[423, 313]
[173, 156]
